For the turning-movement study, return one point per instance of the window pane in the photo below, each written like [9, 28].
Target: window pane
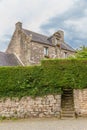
[45, 50]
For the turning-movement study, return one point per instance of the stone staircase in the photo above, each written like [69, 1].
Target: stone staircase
[67, 104]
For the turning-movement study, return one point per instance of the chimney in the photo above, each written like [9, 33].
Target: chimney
[18, 26]
[61, 35]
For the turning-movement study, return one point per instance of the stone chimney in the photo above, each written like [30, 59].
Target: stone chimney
[18, 26]
[59, 35]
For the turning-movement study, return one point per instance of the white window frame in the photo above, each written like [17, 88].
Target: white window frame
[65, 54]
[46, 51]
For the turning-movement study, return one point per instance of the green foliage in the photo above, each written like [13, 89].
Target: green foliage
[19, 81]
[49, 78]
[68, 73]
[82, 53]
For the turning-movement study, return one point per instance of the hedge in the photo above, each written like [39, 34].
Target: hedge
[68, 73]
[49, 78]
[20, 81]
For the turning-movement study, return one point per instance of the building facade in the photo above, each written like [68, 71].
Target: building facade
[30, 47]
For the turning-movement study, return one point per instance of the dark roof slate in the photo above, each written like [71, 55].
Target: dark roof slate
[38, 37]
[65, 46]
[8, 59]
[46, 40]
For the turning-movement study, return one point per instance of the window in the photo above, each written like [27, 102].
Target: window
[65, 55]
[46, 51]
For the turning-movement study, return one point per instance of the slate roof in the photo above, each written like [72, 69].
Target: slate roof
[46, 40]
[65, 46]
[8, 59]
[38, 37]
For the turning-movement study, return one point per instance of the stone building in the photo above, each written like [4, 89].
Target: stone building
[30, 47]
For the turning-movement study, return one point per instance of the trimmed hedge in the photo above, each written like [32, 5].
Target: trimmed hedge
[68, 73]
[20, 81]
[49, 78]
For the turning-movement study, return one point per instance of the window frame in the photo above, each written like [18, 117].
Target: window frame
[65, 54]
[46, 51]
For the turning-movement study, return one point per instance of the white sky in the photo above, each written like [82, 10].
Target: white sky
[36, 13]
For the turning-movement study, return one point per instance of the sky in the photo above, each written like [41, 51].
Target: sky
[45, 17]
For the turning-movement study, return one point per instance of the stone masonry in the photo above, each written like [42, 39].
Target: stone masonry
[47, 106]
[80, 102]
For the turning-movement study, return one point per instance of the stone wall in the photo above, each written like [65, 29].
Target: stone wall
[20, 46]
[37, 52]
[47, 106]
[80, 102]
[66, 54]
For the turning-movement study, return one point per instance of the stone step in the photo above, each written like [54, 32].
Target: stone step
[67, 109]
[67, 100]
[65, 92]
[67, 112]
[70, 93]
[67, 103]
[67, 89]
[68, 118]
[67, 95]
[67, 115]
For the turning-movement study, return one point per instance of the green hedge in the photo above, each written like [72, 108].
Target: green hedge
[70, 73]
[49, 78]
[20, 81]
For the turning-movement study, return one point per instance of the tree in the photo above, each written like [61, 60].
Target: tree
[82, 53]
